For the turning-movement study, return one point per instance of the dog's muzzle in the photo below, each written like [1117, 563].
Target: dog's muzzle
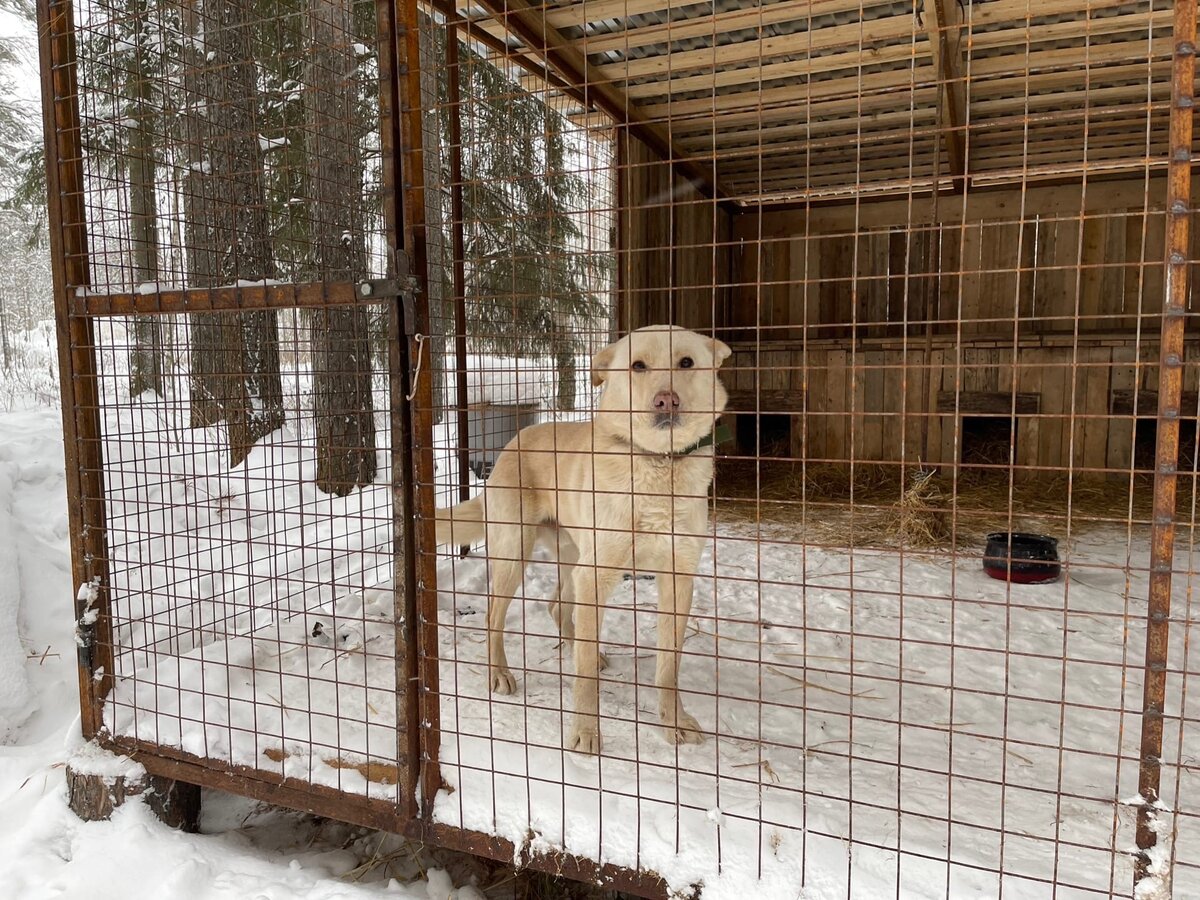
[666, 409]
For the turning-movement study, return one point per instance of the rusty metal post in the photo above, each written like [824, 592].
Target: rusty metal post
[78, 380]
[421, 614]
[458, 225]
[408, 720]
[1170, 390]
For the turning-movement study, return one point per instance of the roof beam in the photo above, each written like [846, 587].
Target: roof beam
[943, 22]
[563, 57]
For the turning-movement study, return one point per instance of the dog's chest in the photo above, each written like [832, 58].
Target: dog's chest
[667, 491]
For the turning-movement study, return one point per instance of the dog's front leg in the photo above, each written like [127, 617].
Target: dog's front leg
[674, 606]
[593, 585]
[562, 607]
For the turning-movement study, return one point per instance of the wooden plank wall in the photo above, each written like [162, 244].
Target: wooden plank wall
[1041, 293]
[874, 402]
[1051, 260]
[673, 246]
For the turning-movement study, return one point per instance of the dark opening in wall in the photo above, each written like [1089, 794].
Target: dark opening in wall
[766, 434]
[985, 440]
[1146, 438]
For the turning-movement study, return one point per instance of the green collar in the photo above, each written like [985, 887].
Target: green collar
[720, 435]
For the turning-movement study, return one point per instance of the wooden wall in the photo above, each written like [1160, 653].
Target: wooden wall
[856, 320]
[871, 316]
[673, 246]
[874, 402]
[1048, 261]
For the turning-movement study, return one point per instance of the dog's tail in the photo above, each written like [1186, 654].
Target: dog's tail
[462, 525]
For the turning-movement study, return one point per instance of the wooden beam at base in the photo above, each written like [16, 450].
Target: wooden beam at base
[943, 22]
[563, 57]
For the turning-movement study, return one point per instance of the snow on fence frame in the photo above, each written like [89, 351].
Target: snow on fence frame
[545, 810]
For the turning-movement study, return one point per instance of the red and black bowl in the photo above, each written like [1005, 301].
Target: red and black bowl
[1021, 558]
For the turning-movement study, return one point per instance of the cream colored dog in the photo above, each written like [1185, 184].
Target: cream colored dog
[628, 489]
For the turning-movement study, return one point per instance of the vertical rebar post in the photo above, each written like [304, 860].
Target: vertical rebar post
[1170, 393]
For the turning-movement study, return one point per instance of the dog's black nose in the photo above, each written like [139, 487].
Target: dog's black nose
[666, 401]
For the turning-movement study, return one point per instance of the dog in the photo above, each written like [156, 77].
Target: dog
[626, 490]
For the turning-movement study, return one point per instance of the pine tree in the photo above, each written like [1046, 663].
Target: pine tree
[341, 344]
[140, 163]
[529, 282]
[234, 356]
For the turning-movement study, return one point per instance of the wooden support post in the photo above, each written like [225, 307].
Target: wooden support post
[944, 24]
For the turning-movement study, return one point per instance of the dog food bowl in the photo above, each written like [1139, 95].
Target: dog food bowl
[1022, 558]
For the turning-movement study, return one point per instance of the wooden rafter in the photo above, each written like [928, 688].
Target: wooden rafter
[719, 23]
[528, 23]
[943, 22]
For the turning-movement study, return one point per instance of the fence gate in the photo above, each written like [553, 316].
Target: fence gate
[232, 303]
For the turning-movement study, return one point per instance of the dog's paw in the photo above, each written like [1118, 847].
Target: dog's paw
[503, 682]
[684, 729]
[584, 737]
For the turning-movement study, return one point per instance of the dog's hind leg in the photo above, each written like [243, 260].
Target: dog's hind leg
[509, 549]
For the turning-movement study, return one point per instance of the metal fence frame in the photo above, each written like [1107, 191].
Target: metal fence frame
[416, 605]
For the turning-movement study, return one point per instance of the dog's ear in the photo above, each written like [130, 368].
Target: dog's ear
[601, 363]
[720, 351]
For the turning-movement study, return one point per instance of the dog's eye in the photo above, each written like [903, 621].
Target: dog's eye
[638, 366]
[686, 363]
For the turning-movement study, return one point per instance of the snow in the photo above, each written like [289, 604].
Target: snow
[92, 759]
[15, 690]
[803, 704]
[242, 851]
[154, 287]
[903, 725]
[495, 379]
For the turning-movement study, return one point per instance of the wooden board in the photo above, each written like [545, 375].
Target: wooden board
[989, 403]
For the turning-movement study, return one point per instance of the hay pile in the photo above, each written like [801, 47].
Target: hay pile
[911, 507]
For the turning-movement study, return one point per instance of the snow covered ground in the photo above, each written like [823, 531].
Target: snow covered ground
[878, 725]
[243, 850]
[833, 713]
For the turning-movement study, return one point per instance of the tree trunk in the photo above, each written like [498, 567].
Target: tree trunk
[4, 333]
[146, 344]
[235, 356]
[99, 782]
[564, 360]
[341, 358]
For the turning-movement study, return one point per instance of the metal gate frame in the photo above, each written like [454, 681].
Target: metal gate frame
[76, 309]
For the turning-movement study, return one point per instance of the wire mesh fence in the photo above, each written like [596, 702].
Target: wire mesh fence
[871, 576]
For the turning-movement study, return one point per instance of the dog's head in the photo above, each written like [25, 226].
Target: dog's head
[661, 390]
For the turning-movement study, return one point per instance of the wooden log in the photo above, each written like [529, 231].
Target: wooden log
[99, 782]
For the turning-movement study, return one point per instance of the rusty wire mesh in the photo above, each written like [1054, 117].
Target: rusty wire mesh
[947, 246]
[934, 239]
